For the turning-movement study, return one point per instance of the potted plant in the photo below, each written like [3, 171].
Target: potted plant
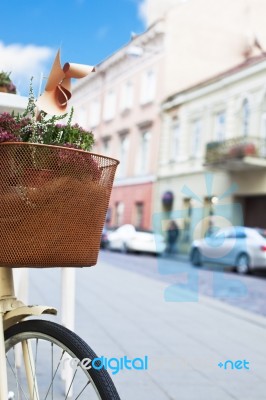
[213, 151]
[241, 150]
[54, 192]
[6, 84]
[25, 128]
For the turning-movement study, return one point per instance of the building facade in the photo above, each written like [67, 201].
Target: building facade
[206, 37]
[213, 152]
[120, 103]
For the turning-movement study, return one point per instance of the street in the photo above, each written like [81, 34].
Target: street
[245, 292]
[196, 350]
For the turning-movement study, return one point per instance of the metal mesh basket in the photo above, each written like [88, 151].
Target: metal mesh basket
[53, 202]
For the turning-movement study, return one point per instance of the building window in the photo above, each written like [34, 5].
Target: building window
[126, 96]
[119, 213]
[208, 215]
[263, 135]
[139, 210]
[220, 123]
[186, 233]
[123, 155]
[148, 87]
[94, 113]
[143, 158]
[245, 117]
[196, 138]
[109, 105]
[263, 126]
[175, 140]
[106, 145]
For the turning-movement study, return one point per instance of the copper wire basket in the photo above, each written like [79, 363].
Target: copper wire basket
[53, 203]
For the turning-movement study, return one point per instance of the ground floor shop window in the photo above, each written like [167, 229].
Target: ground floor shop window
[119, 213]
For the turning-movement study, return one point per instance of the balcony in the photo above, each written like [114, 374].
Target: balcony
[236, 154]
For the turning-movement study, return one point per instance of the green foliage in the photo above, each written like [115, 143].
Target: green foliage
[30, 127]
[6, 82]
[5, 78]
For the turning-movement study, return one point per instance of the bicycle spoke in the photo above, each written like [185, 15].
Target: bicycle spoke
[47, 348]
[71, 384]
[80, 393]
[22, 390]
[14, 354]
[53, 377]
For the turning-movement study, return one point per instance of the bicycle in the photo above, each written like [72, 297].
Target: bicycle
[34, 353]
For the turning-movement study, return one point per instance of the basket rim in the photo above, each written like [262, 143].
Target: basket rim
[114, 160]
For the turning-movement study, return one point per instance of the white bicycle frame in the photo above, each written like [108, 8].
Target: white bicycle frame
[13, 311]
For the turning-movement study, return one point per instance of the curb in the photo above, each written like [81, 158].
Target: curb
[234, 311]
[238, 312]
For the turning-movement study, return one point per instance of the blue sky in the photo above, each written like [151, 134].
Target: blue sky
[87, 31]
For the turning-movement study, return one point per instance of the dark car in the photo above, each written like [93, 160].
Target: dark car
[104, 238]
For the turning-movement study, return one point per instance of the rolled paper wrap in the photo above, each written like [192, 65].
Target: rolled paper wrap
[58, 88]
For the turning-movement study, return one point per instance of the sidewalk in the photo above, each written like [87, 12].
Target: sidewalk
[122, 313]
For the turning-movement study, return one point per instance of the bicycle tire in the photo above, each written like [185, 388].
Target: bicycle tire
[49, 332]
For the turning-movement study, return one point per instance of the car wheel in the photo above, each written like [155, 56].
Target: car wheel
[196, 257]
[242, 264]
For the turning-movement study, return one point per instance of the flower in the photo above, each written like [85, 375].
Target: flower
[6, 82]
[33, 128]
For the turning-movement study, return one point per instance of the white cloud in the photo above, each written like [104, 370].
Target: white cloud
[143, 10]
[25, 61]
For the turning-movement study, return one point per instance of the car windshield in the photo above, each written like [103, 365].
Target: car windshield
[215, 232]
[143, 230]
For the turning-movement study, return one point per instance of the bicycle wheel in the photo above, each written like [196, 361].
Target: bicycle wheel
[53, 355]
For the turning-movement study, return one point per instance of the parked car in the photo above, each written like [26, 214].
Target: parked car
[127, 238]
[105, 236]
[240, 247]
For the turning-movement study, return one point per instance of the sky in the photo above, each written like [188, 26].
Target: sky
[86, 31]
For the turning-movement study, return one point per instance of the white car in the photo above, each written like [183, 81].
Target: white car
[240, 247]
[127, 238]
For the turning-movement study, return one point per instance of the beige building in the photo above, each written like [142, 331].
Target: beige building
[206, 37]
[186, 42]
[213, 152]
[120, 103]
